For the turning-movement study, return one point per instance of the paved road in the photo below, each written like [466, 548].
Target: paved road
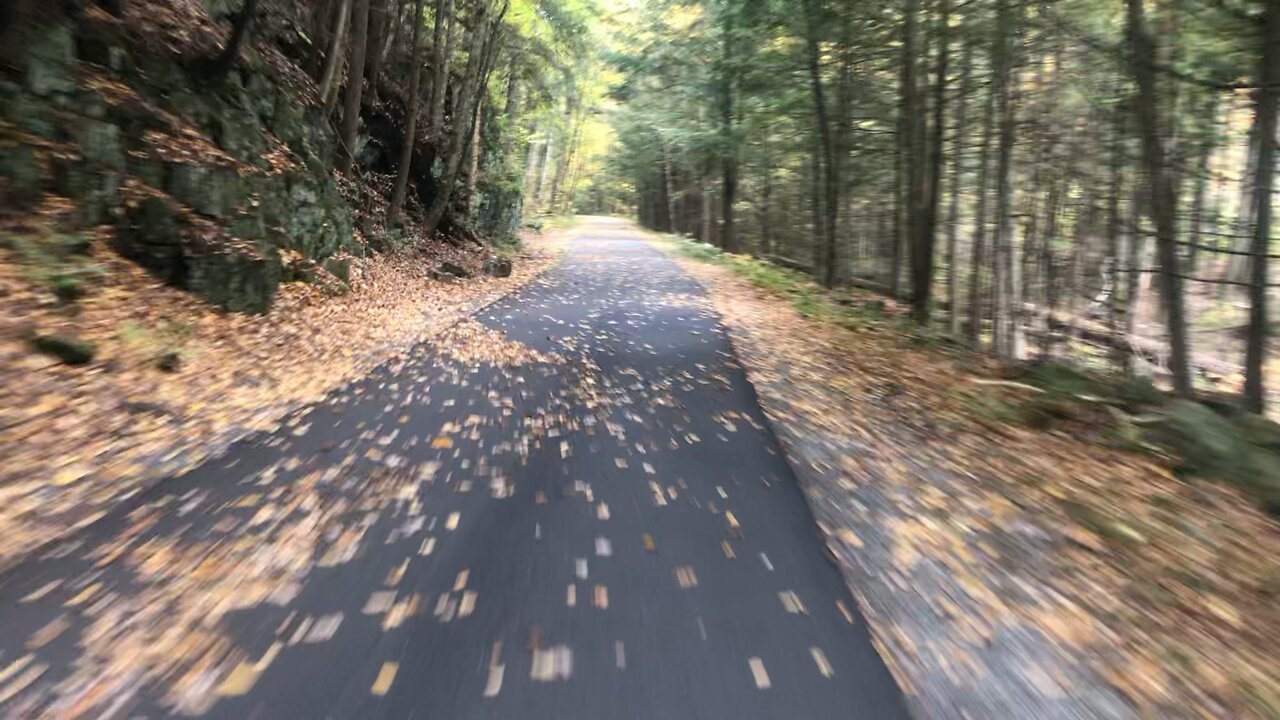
[588, 519]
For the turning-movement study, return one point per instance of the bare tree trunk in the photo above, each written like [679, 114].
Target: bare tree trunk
[670, 185]
[708, 215]
[729, 165]
[226, 60]
[1246, 211]
[922, 299]
[410, 122]
[378, 30]
[979, 259]
[544, 174]
[1113, 234]
[1002, 62]
[355, 85]
[910, 135]
[1256, 344]
[473, 157]
[533, 154]
[766, 198]
[1201, 184]
[440, 41]
[953, 211]
[815, 204]
[1162, 198]
[333, 60]
[830, 171]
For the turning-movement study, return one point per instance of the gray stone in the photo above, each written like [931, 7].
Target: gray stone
[50, 58]
[339, 267]
[448, 268]
[21, 175]
[498, 267]
[238, 279]
[100, 144]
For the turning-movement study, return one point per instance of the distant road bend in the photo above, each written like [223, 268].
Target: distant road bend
[587, 519]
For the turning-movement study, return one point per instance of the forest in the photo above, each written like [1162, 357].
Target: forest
[1069, 180]
[639, 358]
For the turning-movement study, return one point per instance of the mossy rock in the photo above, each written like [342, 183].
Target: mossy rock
[1139, 392]
[238, 279]
[150, 236]
[1259, 431]
[29, 113]
[1061, 379]
[100, 144]
[70, 350]
[207, 190]
[1213, 446]
[97, 191]
[50, 58]
[339, 267]
[22, 176]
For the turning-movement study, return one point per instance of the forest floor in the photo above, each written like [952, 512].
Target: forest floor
[1006, 570]
[174, 381]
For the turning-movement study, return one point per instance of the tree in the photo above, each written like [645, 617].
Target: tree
[485, 38]
[440, 41]
[1265, 113]
[355, 86]
[1162, 199]
[333, 58]
[410, 122]
[226, 60]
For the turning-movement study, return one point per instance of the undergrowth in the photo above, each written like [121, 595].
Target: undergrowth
[1215, 441]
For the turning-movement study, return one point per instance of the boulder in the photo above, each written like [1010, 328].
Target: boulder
[234, 275]
[70, 350]
[498, 267]
[453, 269]
[50, 60]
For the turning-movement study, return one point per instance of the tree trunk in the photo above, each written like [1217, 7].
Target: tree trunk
[1246, 211]
[473, 157]
[440, 41]
[766, 197]
[672, 214]
[544, 177]
[953, 210]
[333, 60]
[1113, 233]
[831, 172]
[410, 122]
[923, 282]
[729, 179]
[379, 24]
[708, 216]
[1163, 202]
[1201, 185]
[1256, 344]
[226, 60]
[1002, 62]
[355, 85]
[910, 135]
[978, 260]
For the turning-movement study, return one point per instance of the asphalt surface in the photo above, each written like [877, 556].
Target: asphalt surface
[588, 519]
